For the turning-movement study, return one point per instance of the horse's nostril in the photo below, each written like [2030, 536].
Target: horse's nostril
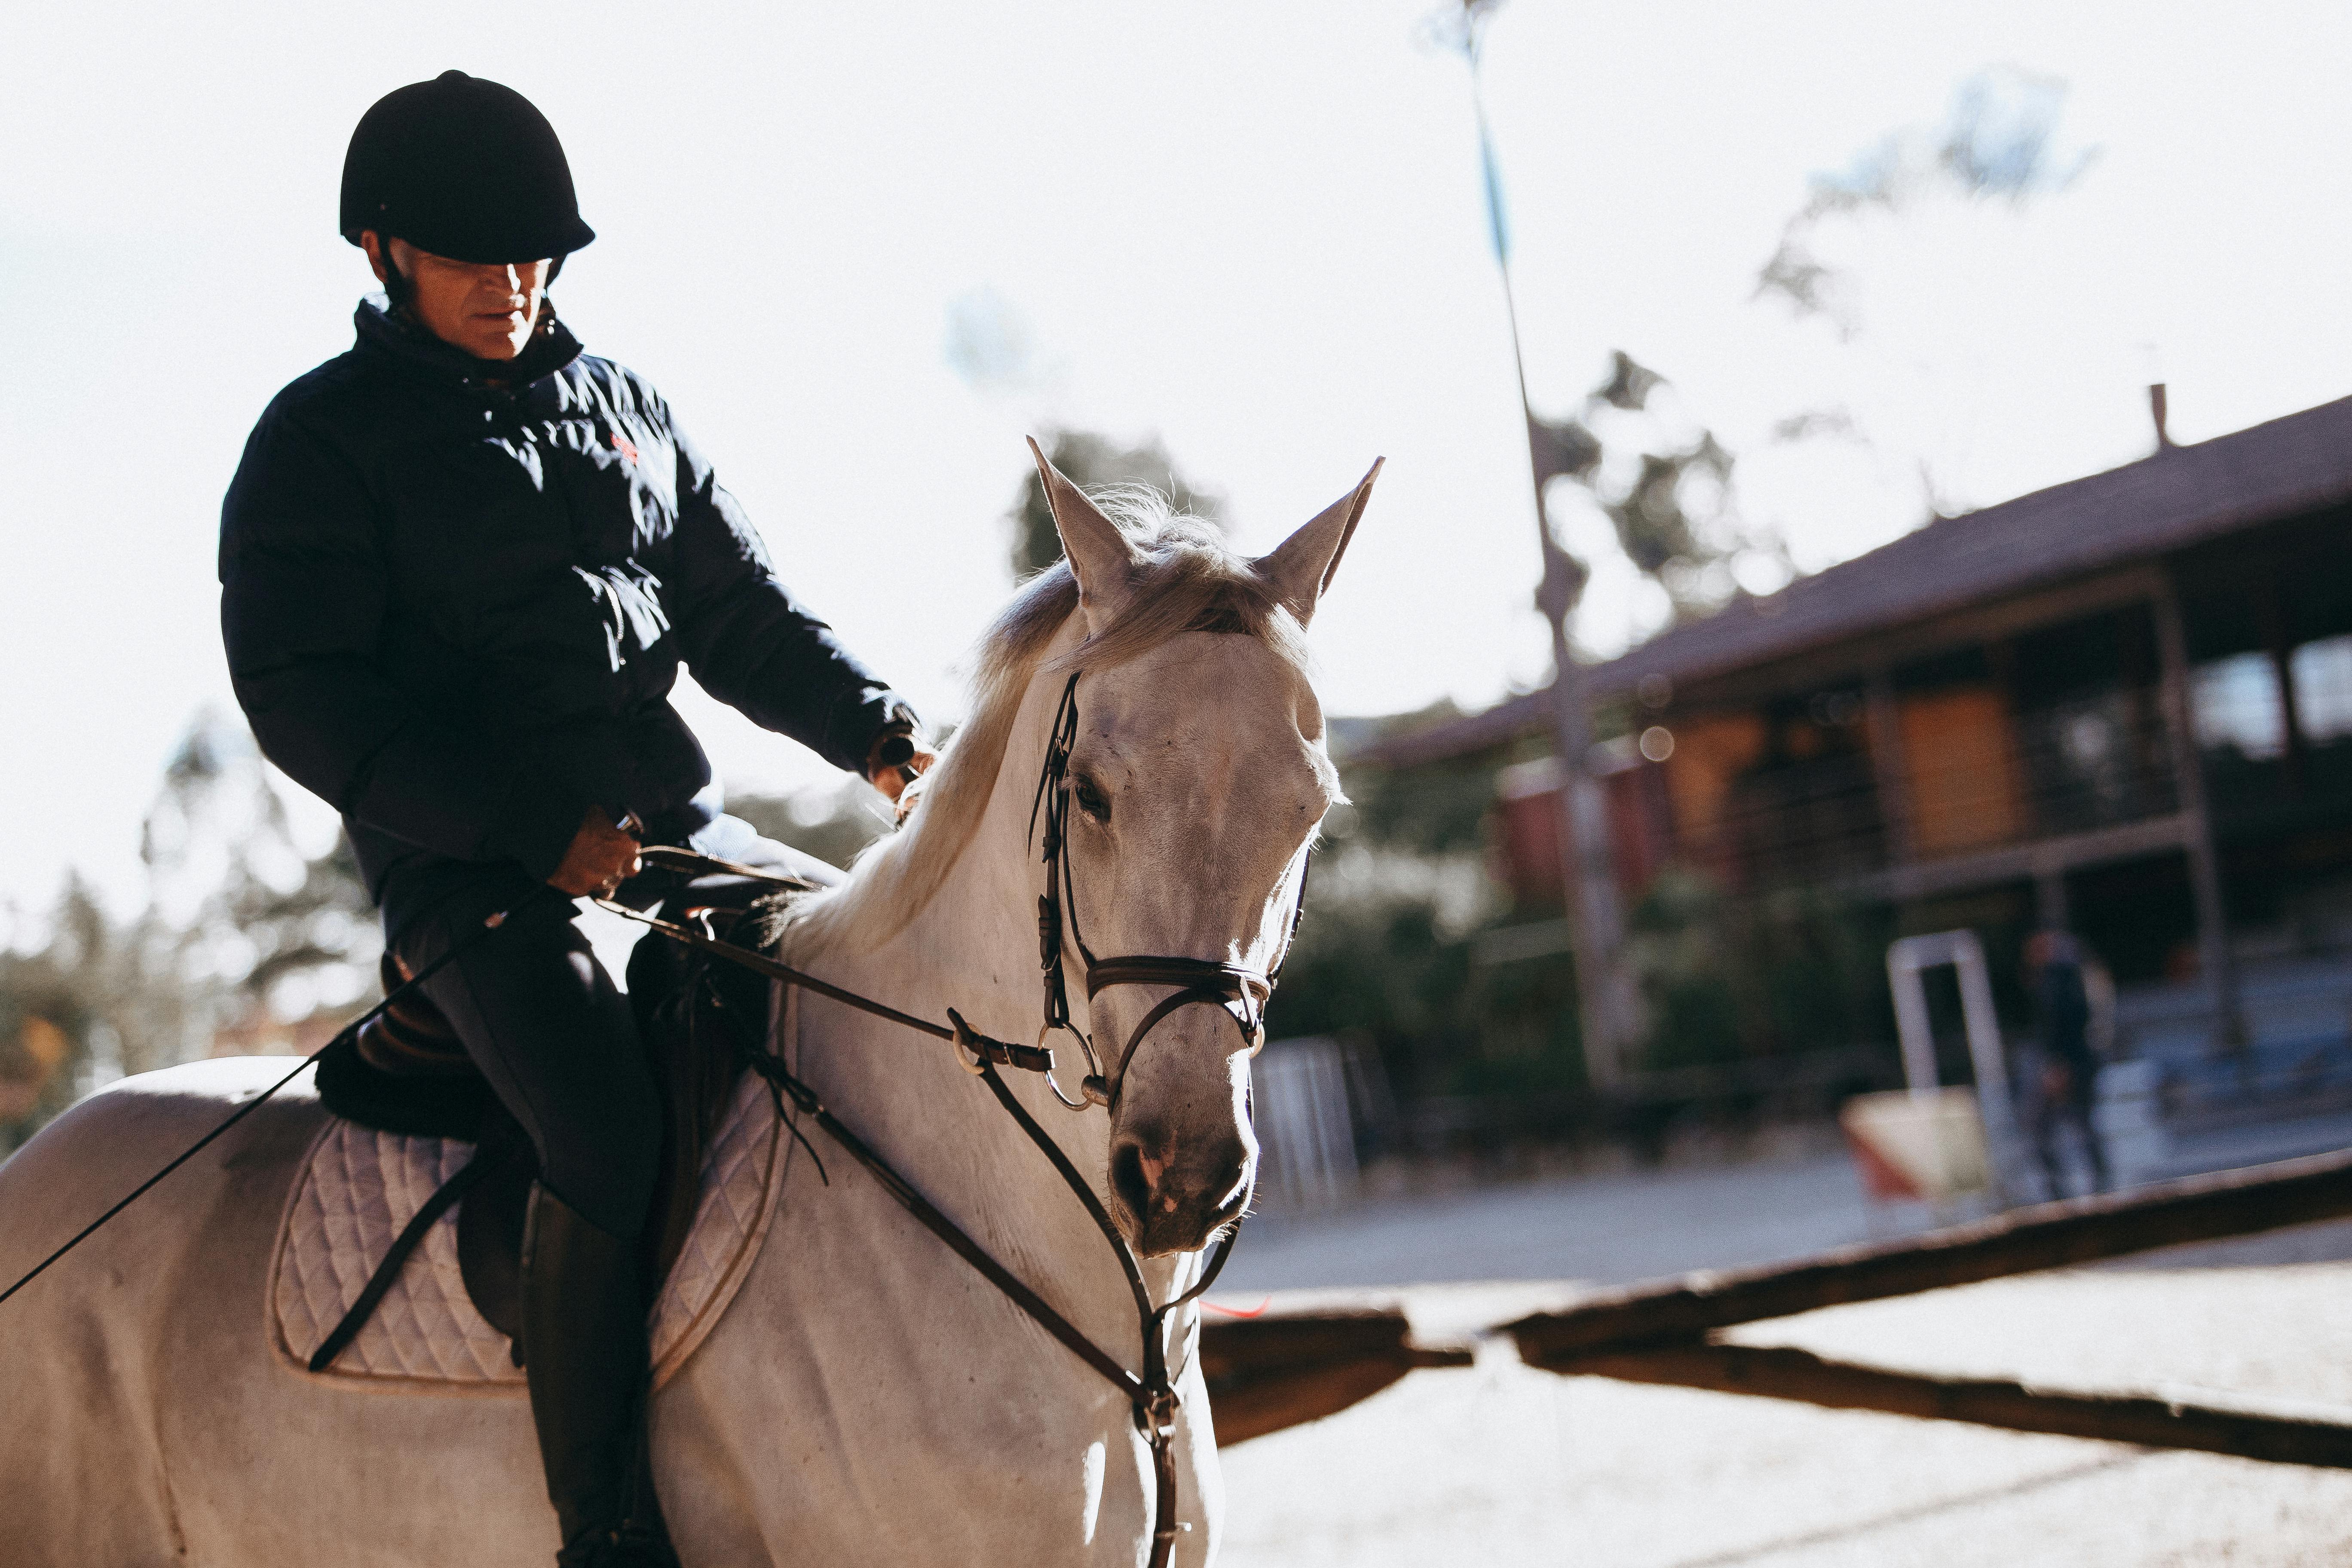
[1126, 1178]
[1228, 1188]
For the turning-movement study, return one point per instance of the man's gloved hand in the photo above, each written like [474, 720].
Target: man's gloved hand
[601, 858]
[900, 755]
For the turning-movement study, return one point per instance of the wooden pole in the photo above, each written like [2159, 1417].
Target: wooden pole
[1608, 1002]
[1776, 1373]
[1266, 1374]
[2215, 957]
[2048, 1236]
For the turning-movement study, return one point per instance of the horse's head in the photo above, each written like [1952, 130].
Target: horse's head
[1197, 778]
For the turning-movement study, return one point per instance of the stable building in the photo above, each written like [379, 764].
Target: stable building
[2122, 705]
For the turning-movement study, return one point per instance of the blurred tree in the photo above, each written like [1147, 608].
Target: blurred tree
[1665, 484]
[992, 346]
[1095, 462]
[1398, 892]
[1684, 949]
[286, 942]
[1998, 141]
[1729, 978]
[245, 943]
[48, 1001]
[1439, 809]
[1891, 221]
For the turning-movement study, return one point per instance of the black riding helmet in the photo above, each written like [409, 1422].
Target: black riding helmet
[462, 168]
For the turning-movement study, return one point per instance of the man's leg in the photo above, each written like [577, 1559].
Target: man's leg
[2085, 1108]
[556, 1041]
[2054, 1168]
[2041, 1121]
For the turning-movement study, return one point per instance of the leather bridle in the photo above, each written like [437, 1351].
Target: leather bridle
[1240, 993]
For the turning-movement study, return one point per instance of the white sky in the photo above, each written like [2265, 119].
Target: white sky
[1254, 230]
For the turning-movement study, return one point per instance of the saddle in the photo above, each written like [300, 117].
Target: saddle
[407, 1073]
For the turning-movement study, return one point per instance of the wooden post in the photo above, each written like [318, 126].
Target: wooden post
[2213, 955]
[1608, 1002]
[2278, 642]
[1607, 1005]
[1779, 1373]
[2047, 1236]
[1607, 1008]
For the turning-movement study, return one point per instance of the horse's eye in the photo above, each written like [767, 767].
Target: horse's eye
[1091, 799]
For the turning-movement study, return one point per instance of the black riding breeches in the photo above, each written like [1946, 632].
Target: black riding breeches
[555, 1036]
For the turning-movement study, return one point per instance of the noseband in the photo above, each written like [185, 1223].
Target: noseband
[1240, 994]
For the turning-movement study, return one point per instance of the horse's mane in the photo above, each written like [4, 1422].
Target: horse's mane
[1183, 579]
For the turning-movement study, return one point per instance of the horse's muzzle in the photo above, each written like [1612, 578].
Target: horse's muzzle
[1166, 1205]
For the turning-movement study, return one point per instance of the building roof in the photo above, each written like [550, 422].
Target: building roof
[2178, 497]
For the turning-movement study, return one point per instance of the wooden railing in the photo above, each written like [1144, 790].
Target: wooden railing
[1268, 1372]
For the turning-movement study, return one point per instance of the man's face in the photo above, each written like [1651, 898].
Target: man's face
[487, 308]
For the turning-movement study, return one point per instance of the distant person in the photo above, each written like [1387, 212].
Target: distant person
[460, 567]
[2062, 1085]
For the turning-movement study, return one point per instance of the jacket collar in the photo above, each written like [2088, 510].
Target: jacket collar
[550, 348]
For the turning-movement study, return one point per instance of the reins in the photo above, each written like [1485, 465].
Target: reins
[1028, 1058]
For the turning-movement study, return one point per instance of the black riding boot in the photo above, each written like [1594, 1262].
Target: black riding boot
[584, 1355]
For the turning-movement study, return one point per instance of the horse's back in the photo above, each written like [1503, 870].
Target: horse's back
[87, 1349]
[86, 1159]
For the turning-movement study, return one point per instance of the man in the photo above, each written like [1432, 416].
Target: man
[460, 565]
[2064, 1085]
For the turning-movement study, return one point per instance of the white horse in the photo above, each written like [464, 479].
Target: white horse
[867, 1398]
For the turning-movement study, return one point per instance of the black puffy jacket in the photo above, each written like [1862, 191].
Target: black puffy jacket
[456, 611]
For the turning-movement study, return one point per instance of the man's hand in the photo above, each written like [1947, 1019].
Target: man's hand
[601, 858]
[899, 756]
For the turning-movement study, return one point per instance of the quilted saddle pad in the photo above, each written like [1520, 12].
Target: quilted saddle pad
[359, 1187]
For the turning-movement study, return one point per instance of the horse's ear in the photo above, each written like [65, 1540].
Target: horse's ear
[1301, 567]
[1100, 558]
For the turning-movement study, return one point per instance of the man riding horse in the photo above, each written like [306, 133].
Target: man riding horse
[460, 565]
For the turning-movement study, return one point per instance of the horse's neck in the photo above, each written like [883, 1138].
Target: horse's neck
[974, 948]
